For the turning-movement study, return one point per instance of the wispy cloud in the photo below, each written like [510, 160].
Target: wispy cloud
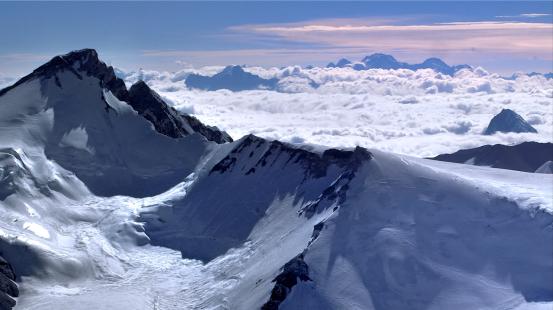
[525, 15]
[454, 26]
[532, 39]
[263, 57]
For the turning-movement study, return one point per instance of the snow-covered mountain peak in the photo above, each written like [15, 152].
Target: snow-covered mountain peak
[380, 60]
[80, 63]
[76, 111]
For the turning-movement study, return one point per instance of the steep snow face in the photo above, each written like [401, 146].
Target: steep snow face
[418, 238]
[231, 195]
[401, 233]
[87, 130]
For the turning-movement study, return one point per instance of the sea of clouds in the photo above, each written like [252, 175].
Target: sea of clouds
[419, 113]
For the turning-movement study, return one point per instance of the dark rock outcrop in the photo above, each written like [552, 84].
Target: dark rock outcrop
[211, 133]
[508, 121]
[296, 269]
[232, 78]
[527, 156]
[149, 104]
[8, 287]
[166, 119]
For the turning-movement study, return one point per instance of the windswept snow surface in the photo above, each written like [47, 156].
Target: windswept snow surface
[376, 230]
[411, 234]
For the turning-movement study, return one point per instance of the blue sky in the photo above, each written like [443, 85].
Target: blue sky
[500, 36]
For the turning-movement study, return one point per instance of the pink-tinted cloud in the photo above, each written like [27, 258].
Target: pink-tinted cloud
[532, 39]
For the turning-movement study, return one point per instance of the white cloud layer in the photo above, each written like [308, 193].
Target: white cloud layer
[419, 113]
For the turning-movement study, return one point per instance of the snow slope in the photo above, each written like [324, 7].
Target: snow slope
[253, 223]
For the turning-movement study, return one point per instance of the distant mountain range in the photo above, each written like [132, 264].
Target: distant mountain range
[384, 61]
[232, 78]
[235, 78]
[527, 156]
[548, 75]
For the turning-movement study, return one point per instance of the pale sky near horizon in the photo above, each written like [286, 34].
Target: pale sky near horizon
[502, 37]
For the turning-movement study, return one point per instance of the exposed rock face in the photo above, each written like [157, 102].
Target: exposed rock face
[508, 121]
[527, 156]
[166, 119]
[232, 78]
[8, 287]
[212, 133]
[295, 269]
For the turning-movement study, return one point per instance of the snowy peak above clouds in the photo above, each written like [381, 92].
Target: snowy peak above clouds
[384, 61]
[145, 101]
[232, 78]
[508, 121]
[527, 156]
[343, 62]
[115, 141]
[78, 62]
